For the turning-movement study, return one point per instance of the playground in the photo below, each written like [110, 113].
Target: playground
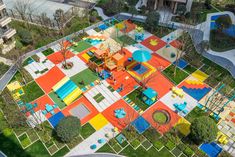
[113, 88]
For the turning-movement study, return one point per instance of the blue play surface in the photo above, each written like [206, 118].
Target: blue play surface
[103, 27]
[197, 94]
[140, 124]
[181, 63]
[211, 149]
[140, 69]
[66, 89]
[55, 119]
[229, 31]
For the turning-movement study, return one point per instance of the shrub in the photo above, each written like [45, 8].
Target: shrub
[170, 145]
[158, 144]
[203, 129]
[223, 22]
[230, 7]
[25, 36]
[188, 152]
[225, 154]
[181, 9]
[152, 20]
[68, 128]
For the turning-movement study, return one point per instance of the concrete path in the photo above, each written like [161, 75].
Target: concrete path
[99, 155]
[101, 13]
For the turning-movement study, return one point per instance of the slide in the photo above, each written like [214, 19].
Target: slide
[60, 83]
[72, 96]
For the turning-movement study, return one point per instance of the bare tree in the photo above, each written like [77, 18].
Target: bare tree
[59, 17]
[64, 46]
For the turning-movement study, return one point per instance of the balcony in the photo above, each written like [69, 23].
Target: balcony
[4, 21]
[9, 33]
[2, 5]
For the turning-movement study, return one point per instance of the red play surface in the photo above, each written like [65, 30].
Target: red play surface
[42, 101]
[129, 26]
[57, 57]
[123, 122]
[47, 81]
[158, 62]
[159, 83]
[85, 102]
[123, 77]
[162, 128]
[176, 44]
[147, 44]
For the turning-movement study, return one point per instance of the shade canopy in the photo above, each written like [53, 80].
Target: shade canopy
[150, 93]
[141, 55]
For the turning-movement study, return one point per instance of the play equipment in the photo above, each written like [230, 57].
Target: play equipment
[177, 92]
[104, 74]
[50, 109]
[29, 108]
[181, 107]
[120, 113]
[16, 90]
[222, 138]
[153, 42]
[120, 138]
[67, 90]
[149, 96]
[139, 34]
[161, 117]
[94, 39]
[101, 141]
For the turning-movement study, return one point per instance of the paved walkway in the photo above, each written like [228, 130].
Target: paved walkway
[101, 13]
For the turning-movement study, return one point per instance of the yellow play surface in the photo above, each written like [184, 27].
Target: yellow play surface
[183, 126]
[98, 122]
[200, 75]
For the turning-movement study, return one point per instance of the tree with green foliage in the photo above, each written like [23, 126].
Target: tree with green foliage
[25, 36]
[223, 22]
[181, 9]
[132, 10]
[68, 128]
[225, 154]
[152, 20]
[203, 129]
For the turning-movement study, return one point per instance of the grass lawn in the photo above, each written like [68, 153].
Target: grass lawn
[57, 100]
[180, 74]
[3, 69]
[196, 112]
[105, 149]
[81, 46]
[87, 130]
[74, 142]
[86, 75]
[140, 151]
[135, 96]
[99, 97]
[176, 151]
[190, 69]
[24, 140]
[126, 40]
[48, 52]
[18, 76]
[32, 92]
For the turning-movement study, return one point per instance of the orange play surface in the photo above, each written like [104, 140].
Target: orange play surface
[131, 114]
[47, 81]
[57, 57]
[176, 44]
[85, 102]
[174, 118]
[160, 43]
[159, 83]
[123, 77]
[129, 26]
[158, 62]
[42, 101]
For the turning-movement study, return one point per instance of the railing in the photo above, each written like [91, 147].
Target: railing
[4, 21]
[9, 33]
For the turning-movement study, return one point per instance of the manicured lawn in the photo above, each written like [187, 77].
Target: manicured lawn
[87, 130]
[81, 46]
[86, 75]
[190, 69]
[126, 40]
[146, 144]
[48, 52]
[196, 112]
[74, 142]
[179, 77]
[135, 96]
[18, 77]
[130, 152]
[57, 100]
[99, 97]
[106, 149]
[176, 151]
[24, 140]
[32, 92]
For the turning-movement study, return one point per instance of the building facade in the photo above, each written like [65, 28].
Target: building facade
[7, 42]
[172, 4]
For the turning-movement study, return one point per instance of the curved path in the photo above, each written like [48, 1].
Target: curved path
[99, 155]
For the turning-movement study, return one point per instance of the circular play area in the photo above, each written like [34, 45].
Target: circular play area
[161, 116]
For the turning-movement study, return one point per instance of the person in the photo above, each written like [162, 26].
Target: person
[114, 81]
[121, 87]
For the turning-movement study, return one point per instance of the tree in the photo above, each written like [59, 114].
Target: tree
[203, 129]
[208, 4]
[223, 22]
[25, 36]
[68, 128]
[59, 17]
[64, 46]
[132, 10]
[181, 9]
[152, 20]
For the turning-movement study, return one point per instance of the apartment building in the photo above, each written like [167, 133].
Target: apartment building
[7, 42]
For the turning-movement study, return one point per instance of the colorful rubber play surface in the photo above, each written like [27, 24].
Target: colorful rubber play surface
[110, 91]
